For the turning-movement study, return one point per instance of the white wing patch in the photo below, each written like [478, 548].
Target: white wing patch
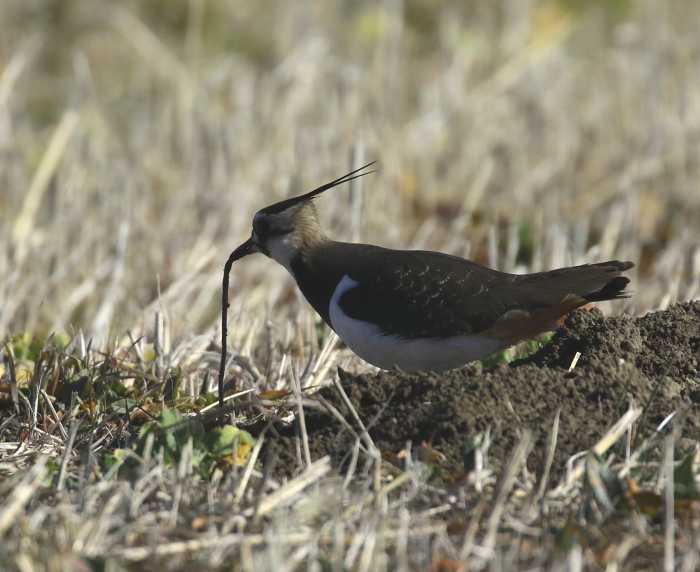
[424, 354]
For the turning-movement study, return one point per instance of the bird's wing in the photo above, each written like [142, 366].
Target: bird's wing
[424, 294]
[428, 294]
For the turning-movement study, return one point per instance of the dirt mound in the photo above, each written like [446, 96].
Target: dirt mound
[650, 361]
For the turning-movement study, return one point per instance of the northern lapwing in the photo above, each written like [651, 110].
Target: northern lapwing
[415, 309]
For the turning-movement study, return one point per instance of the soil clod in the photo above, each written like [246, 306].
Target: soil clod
[652, 360]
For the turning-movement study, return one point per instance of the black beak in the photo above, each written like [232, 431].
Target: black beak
[248, 247]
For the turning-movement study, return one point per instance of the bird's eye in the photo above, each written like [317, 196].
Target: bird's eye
[263, 227]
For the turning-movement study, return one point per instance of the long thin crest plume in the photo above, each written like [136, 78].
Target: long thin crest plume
[284, 205]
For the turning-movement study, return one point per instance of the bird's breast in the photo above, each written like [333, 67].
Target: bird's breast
[411, 355]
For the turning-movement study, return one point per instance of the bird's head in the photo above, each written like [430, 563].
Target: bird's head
[284, 229]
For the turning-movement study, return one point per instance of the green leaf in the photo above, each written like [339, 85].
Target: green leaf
[344, 375]
[229, 441]
[684, 479]
[121, 405]
[112, 458]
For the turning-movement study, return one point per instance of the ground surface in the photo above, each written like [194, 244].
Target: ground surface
[649, 360]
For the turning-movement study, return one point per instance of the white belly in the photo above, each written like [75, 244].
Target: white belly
[426, 354]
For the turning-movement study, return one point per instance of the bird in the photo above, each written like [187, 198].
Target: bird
[414, 309]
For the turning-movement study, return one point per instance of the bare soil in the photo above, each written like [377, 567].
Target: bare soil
[650, 361]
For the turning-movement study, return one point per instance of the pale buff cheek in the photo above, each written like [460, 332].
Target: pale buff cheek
[283, 250]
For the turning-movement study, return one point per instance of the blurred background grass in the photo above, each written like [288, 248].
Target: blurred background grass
[138, 138]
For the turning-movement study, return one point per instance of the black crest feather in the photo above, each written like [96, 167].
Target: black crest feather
[284, 205]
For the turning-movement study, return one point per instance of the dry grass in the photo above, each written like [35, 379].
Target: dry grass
[137, 139]
[80, 502]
